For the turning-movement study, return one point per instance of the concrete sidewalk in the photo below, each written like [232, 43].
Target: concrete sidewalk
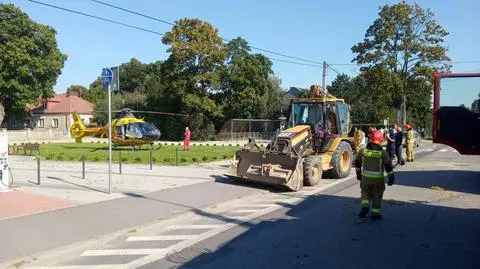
[62, 183]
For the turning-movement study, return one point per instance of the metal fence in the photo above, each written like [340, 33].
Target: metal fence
[242, 129]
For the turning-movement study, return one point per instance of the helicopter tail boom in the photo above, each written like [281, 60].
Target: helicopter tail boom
[78, 129]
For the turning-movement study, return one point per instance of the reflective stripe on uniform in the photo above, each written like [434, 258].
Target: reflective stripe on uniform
[364, 202]
[376, 210]
[372, 164]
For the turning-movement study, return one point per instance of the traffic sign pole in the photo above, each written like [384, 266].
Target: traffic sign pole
[109, 139]
[107, 79]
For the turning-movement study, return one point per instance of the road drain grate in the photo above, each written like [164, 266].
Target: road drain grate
[187, 254]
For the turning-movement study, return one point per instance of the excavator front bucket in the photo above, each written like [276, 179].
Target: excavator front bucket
[268, 168]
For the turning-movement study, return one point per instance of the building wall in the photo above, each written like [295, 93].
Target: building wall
[64, 121]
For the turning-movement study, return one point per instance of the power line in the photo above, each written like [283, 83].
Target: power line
[226, 40]
[140, 28]
[98, 18]
[291, 62]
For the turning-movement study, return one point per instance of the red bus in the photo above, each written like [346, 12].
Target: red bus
[456, 111]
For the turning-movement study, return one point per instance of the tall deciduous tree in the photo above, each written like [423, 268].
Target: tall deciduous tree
[197, 54]
[30, 60]
[406, 40]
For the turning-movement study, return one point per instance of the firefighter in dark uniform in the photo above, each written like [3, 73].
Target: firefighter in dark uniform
[371, 163]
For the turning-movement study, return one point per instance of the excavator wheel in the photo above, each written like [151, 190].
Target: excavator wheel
[341, 161]
[312, 170]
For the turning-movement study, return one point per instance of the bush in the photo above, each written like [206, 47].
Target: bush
[71, 158]
[167, 160]
[214, 157]
[194, 159]
[207, 144]
[137, 159]
[225, 156]
[96, 159]
[229, 145]
[204, 158]
[238, 145]
[183, 160]
[61, 153]
[154, 159]
[50, 156]
[214, 145]
[124, 159]
[98, 142]
[166, 144]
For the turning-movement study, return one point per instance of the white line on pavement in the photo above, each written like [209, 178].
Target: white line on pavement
[192, 226]
[443, 150]
[121, 252]
[246, 210]
[257, 205]
[161, 237]
[103, 266]
[181, 245]
[430, 149]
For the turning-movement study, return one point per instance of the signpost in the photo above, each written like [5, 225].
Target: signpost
[107, 76]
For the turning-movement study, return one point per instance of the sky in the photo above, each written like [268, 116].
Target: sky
[311, 29]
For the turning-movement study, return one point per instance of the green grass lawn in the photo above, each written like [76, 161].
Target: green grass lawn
[98, 152]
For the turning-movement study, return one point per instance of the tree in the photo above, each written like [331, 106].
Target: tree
[81, 90]
[133, 76]
[197, 50]
[476, 105]
[192, 73]
[30, 60]
[407, 41]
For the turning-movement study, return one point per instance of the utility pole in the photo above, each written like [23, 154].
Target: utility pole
[324, 77]
[404, 110]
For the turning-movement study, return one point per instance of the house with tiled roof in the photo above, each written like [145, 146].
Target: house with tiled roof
[56, 112]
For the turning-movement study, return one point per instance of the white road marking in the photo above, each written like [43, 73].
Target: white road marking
[121, 252]
[188, 240]
[246, 210]
[430, 149]
[443, 150]
[257, 205]
[192, 226]
[103, 266]
[161, 237]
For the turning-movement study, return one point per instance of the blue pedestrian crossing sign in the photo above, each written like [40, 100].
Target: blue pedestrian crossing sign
[107, 76]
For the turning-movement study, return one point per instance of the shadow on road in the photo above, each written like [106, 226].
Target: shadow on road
[324, 231]
[445, 180]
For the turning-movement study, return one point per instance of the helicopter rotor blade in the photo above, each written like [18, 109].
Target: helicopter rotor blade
[159, 113]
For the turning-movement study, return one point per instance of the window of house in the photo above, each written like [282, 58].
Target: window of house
[41, 123]
[54, 123]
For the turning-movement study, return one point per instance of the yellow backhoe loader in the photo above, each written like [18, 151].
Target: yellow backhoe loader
[314, 140]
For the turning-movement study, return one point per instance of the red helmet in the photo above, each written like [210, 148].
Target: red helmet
[377, 137]
[407, 126]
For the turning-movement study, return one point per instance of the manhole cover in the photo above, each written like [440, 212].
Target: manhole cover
[187, 254]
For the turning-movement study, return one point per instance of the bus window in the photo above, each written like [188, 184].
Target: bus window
[456, 112]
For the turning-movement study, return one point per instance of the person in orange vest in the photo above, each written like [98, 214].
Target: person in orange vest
[371, 163]
[186, 139]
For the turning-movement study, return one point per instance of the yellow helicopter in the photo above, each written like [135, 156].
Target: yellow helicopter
[127, 130]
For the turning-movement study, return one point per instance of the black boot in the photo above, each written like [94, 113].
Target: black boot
[377, 216]
[363, 212]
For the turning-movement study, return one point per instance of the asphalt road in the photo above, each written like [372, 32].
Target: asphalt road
[431, 220]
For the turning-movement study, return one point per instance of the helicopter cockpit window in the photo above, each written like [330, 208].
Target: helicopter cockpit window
[134, 130]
